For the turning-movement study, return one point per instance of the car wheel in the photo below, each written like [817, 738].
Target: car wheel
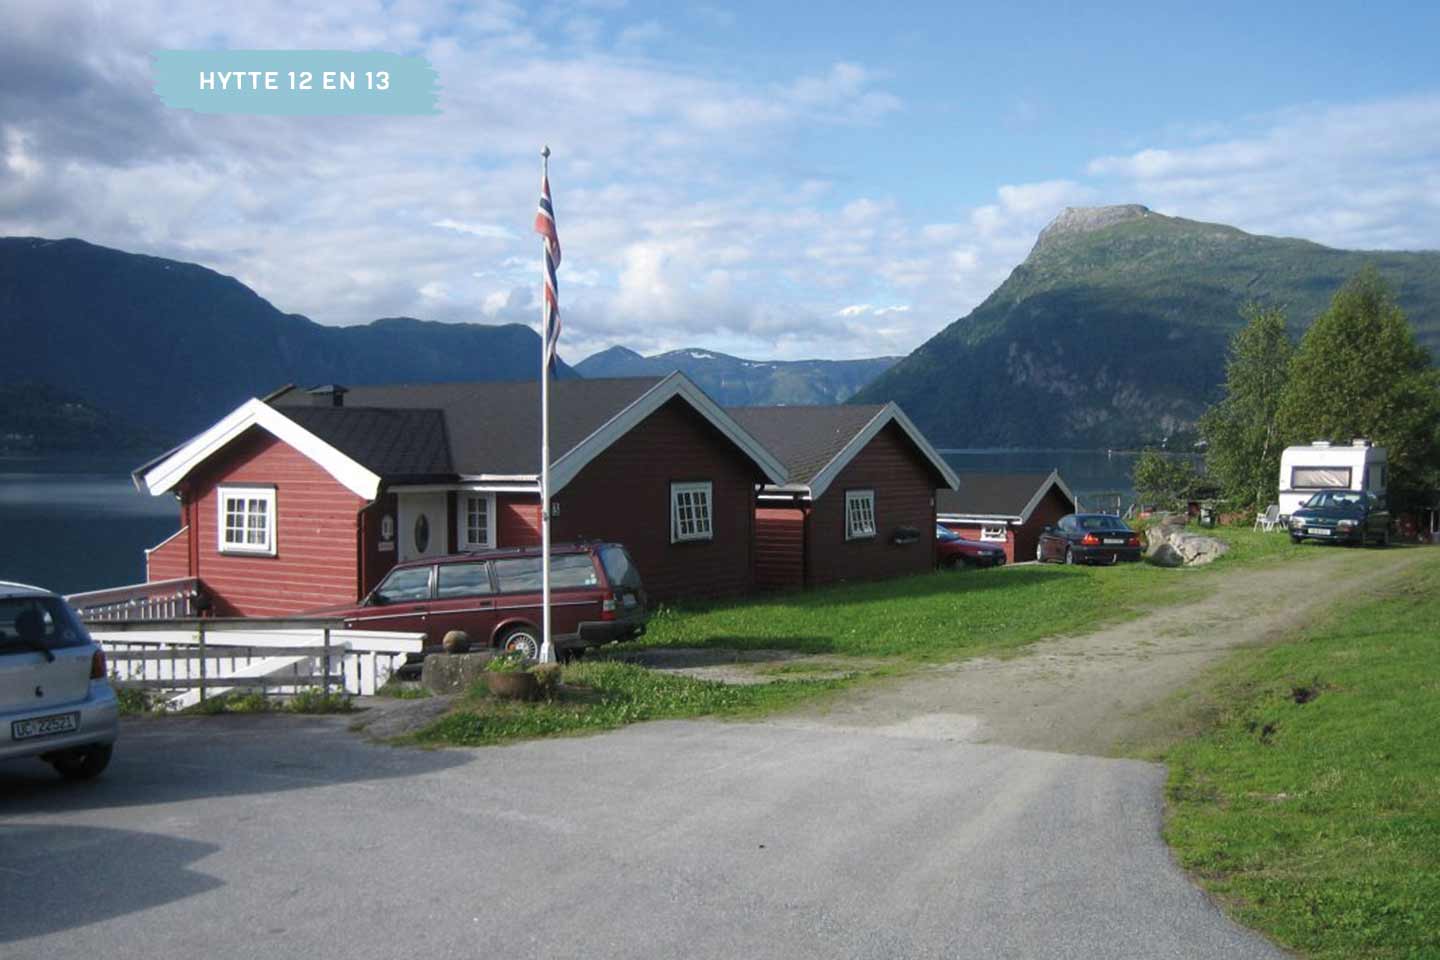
[956, 563]
[1069, 557]
[83, 763]
[1039, 551]
[1295, 539]
[524, 639]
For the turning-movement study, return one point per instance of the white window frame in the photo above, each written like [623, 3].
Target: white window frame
[858, 503]
[994, 533]
[462, 521]
[703, 527]
[266, 495]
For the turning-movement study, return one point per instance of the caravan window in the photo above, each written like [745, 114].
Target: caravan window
[1320, 478]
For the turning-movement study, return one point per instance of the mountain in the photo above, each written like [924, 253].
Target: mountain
[171, 347]
[1113, 332]
[39, 418]
[734, 382]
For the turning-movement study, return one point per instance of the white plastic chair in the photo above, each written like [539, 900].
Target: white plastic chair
[1269, 520]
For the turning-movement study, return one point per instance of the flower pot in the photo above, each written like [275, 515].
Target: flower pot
[520, 685]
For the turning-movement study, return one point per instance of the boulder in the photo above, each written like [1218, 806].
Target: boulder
[445, 673]
[1171, 545]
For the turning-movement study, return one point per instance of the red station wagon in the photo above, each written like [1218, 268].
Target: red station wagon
[494, 596]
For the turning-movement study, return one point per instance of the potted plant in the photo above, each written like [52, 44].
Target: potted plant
[508, 676]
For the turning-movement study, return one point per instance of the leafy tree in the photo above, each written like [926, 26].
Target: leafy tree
[1359, 372]
[1162, 482]
[1242, 431]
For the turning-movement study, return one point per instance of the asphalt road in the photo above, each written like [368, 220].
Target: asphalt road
[273, 837]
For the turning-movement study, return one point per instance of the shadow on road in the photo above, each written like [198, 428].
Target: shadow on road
[170, 759]
[54, 878]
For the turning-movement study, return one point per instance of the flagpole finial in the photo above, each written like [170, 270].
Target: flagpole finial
[545, 152]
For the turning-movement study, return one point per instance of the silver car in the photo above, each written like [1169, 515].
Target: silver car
[55, 702]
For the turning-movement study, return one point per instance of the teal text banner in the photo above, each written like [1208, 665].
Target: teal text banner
[295, 82]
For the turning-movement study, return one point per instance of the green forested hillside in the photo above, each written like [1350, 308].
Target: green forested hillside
[734, 381]
[1113, 331]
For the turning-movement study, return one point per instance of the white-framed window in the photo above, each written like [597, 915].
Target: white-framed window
[859, 514]
[690, 510]
[475, 516]
[246, 521]
[993, 531]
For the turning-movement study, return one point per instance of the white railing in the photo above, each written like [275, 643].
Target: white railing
[192, 660]
[156, 600]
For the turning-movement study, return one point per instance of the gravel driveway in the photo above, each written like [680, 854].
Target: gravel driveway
[281, 836]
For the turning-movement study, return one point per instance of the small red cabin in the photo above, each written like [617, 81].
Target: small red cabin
[858, 501]
[307, 498]
[1006, 508]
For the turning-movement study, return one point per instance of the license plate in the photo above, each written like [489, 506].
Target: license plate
[1318, 531]
[44, 726]
[1114, 542]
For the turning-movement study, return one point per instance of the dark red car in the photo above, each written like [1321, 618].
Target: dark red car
[494, 596]
[956, 552]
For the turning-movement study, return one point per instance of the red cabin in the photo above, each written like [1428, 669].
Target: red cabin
[858, 501]
[308, 497]
[1006, 508]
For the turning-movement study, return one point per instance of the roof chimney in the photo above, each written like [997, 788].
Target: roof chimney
[329, 395]
[1360, 442]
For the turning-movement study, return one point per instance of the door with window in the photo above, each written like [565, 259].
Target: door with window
[423, 531]
[464, 600]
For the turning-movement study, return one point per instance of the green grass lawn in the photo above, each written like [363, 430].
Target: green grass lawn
[603, 695]
[1311, 807]
[948, 615]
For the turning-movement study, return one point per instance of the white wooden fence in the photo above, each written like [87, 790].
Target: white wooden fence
[192, 660]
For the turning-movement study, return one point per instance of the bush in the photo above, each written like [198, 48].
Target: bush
[511, 662]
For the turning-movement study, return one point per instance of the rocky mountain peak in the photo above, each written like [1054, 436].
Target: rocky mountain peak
[1077, 220]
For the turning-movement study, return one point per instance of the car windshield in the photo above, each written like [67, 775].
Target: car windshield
[1335, 498]
[38, 623]
[945, 533]
[1103, 523]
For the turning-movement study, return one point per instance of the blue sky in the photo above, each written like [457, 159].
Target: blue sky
[771, 180]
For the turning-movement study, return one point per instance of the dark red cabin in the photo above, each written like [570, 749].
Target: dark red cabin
[1009, 509]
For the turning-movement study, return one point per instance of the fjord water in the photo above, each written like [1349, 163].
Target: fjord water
[74, 523]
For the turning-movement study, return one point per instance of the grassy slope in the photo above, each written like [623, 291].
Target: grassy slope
[949, 615]
[1319, 822]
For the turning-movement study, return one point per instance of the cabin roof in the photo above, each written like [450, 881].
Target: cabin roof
[492, 428]
[391, 443]
[816, 442]
[1008, 496]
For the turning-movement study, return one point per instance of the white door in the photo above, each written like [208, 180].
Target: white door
[424, 525]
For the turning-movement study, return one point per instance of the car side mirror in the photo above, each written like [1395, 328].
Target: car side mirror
[376, 600]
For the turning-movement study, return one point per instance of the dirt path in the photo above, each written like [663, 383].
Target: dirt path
[1090, 694]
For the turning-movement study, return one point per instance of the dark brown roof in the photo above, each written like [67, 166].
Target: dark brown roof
[390, 443]
[990, 494]
[491, 428]
[805, 439]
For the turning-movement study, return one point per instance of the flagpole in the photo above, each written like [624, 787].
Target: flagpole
[547, 652]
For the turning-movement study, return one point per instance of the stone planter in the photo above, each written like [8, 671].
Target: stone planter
[444, 673]
[520, 685]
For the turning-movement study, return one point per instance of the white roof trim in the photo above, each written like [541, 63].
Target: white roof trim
[1052, 480]
[890, 413]
[161, 476]
[467, 486]
[565, 469]
[976, 518]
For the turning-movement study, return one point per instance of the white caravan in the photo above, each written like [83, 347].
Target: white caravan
[1305, 471]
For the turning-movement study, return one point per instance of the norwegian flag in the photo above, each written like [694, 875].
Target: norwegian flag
[545, 226]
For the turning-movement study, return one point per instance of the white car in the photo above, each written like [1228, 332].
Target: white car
[55, 701]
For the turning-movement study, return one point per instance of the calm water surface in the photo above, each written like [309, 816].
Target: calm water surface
[75, 523]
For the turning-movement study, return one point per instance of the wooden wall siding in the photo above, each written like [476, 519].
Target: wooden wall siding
[904, 486]
[374, 562]
[624, 495]
[517, 520]
[779, 548]
[1050, 509]
[317, 533]
[170, 560]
